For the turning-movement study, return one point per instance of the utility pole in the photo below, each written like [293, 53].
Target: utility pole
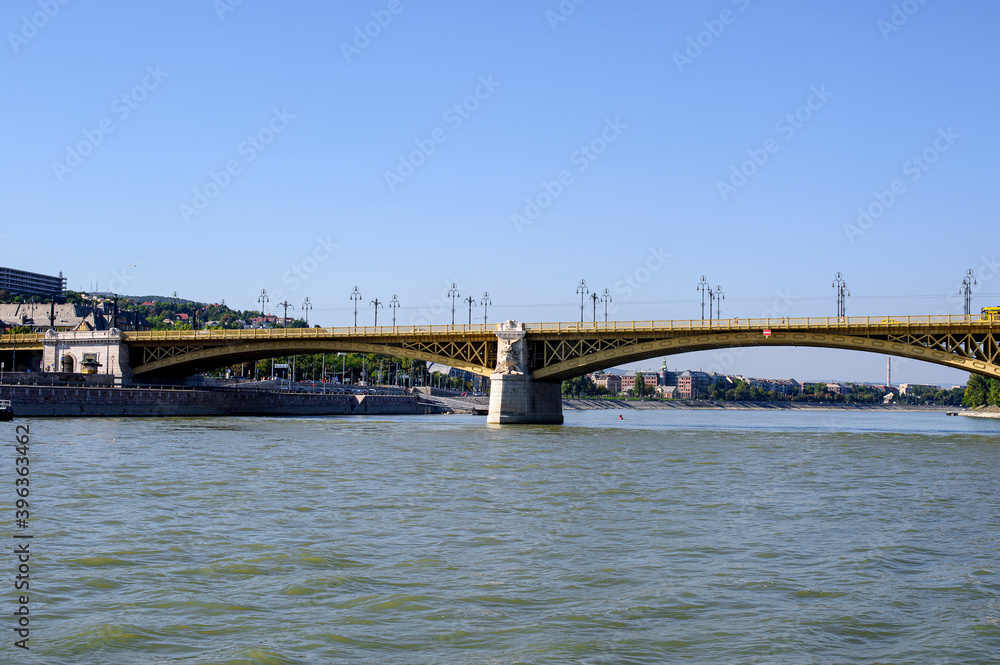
[966, 290]
[394, 304]
[306, 306]
[606, 298]
[485, 302]
[703, 286]
[356, 296]
[582, 290]
[842, 293]
[453, 293]
[376, 304]
[262, 299]
[286, 305]
[719, 297]
[594, 298]
[471, 301]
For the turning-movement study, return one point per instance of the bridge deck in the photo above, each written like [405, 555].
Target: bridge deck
[33, 341]
[561, 350]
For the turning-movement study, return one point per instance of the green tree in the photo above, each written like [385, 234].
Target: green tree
[993, 397]
[639, 390]
[581, 385]
[976, 391]
[742, 391]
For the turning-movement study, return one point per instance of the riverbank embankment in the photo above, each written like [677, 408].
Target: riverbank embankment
[983, 412]
[583, 404]
[62, 401]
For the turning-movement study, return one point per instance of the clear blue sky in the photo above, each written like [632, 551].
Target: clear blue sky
[183, 86]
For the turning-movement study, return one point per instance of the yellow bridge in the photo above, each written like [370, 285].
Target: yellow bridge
[553, 352]
[558, 351]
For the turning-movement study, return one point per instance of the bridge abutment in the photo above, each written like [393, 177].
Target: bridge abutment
[515, 397]
[74, 352]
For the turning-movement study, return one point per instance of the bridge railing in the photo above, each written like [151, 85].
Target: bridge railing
[22, 338]
[734, 323]
[738, 323]
[302, 333]
[774, 322]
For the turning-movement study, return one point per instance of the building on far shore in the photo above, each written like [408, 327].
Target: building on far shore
[905, 388]
[39, 317]
[22, 282]
[610, 382]
[651, 379]
[692, 383]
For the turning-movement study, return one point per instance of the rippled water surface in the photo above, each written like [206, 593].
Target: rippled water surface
[671, 536]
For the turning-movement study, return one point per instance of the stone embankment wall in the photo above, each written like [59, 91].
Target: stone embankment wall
[584, 404]
[983, 412]
[29, 401]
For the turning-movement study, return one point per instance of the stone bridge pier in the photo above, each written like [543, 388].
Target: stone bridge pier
[515, 397]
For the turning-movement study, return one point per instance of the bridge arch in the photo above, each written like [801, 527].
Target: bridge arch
[644, 350]
[215, 357]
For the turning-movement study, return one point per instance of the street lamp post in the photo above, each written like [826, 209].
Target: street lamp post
[453, 293]
[262, 299]
[583, 291]
[306, 306]
[376, 304]
[356, 296]
[471, 301]
[393, 305]
[703, 286]
[606, 298]
[485, 302]
[842, 293]
[966, 290]
[286, 305]
[719, 297]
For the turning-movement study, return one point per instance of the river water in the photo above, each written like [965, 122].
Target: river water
[667, 537]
